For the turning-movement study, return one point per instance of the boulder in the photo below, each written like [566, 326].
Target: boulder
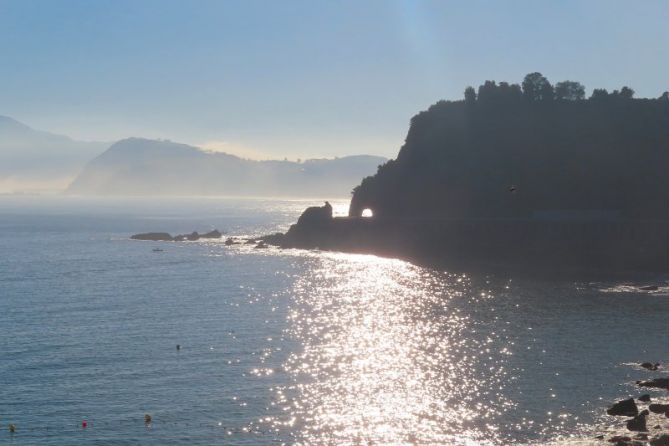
[662, 440]
[659, 408]
[644, 398]
[626, 408]
[650, 366]
[658, 383]
[230, 241]
[154, 236]
[620, 440]
[638, 423]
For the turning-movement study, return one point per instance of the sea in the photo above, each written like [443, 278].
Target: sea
[293, 347]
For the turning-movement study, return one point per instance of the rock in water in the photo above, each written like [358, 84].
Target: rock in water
[192, 237]
[659, 408]
[212, 234]
[626, 408]
[638, 423]
[620, 440]
[315, 216]
[154, 236]
[659, 383]
[650, 366]
[662, 440]
[644, 398]
[648, 288]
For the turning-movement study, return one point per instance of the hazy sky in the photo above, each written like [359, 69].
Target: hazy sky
[302, 78]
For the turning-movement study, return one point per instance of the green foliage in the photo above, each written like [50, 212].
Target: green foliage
[537, 88]
[626, 93]
[569, 91]
[470, 95]
[599, 94]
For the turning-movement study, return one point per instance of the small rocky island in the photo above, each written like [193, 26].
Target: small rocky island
[165, 237]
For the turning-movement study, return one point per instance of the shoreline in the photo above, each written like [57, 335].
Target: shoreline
[589, 249]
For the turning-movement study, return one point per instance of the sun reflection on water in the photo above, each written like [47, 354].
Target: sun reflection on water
[388, 359]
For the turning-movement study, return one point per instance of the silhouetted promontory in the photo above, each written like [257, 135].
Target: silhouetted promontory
[528, 151]
[527, 175]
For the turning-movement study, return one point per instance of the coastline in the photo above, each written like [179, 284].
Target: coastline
[617, 248]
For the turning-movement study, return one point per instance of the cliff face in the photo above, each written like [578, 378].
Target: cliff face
[531, 180]
[505, 155]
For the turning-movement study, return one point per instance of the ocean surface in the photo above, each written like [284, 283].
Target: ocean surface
[294, 347]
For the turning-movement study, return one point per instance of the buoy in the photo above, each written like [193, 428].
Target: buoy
[147, 418]
[84, 424]
[12, 428]
[178, 347]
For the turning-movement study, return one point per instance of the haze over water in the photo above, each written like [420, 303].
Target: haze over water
[292, 347]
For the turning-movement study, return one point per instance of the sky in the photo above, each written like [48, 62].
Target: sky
[302, 79]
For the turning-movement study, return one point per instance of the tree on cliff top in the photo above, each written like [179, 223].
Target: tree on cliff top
[561, 151]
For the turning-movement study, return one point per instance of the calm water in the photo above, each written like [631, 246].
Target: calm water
[291, 347]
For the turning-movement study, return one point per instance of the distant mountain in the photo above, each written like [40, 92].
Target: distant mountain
[138, 166]
[35, 160]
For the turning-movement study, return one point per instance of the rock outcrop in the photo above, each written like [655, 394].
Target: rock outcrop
[638, 423]
[658, 383]
[662, 440]
[650, 366]
[659, 408]
[315, 216]
[165, 237]
[625, 408]
[153, 236]
[212, 234]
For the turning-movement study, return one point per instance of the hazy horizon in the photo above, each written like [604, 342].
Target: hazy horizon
[36, 161]
[299, 80]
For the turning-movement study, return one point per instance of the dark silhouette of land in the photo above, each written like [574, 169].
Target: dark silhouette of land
[531, 176]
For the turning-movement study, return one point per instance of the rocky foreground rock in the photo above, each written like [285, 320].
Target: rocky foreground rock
[658, 383]
[648, 425]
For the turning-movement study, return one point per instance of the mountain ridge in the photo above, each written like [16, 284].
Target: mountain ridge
[141, 166]
[32, 159]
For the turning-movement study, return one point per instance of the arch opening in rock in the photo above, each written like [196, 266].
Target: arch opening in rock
[367, 213]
